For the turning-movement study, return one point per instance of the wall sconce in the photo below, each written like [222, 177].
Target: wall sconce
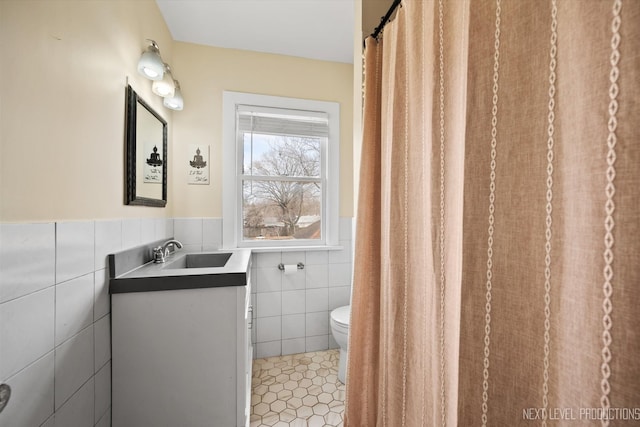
[154, 68]
[150, 64]
[174, 102]
[164, 87]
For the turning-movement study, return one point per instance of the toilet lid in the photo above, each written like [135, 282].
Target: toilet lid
[341, 315]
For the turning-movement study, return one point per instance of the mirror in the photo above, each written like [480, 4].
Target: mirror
[146, 152]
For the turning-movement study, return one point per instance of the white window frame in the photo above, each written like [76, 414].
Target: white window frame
[232, 152]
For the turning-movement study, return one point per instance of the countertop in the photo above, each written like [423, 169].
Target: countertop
[161, 277]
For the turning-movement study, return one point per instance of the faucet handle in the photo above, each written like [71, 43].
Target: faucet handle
[158, 254]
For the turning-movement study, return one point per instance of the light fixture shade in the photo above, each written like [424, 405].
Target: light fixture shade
[150, 64]
[165, 87]
[174, 102]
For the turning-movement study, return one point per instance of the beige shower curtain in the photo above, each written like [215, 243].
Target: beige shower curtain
[497, 260]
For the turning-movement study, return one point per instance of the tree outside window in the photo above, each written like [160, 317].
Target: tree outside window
[282, 187]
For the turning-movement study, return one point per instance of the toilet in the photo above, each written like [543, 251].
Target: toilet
[340, 330]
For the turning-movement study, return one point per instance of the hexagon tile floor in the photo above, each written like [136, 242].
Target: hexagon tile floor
[298, 390]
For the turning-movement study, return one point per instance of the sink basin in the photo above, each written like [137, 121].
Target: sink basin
[211, 260]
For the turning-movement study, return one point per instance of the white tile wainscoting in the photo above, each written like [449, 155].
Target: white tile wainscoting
[55, 349]
[292, 311]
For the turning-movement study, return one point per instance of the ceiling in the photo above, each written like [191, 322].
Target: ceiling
[316, 29]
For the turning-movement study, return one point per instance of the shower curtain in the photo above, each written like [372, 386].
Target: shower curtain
[497, 258]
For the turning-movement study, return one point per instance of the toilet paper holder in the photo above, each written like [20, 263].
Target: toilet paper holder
[300, 266]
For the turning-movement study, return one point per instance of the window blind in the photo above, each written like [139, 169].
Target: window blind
[277, 121]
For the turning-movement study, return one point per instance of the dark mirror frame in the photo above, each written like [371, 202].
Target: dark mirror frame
[133, 101]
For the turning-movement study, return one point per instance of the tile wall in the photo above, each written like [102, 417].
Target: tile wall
[292, 311]
[54, 317]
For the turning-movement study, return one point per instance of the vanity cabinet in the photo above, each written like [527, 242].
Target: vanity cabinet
[182, 357]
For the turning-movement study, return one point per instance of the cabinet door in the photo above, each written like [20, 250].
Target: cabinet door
[173, 358]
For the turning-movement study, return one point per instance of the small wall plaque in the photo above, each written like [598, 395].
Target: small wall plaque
[198, 164]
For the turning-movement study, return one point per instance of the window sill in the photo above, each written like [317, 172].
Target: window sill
[293, 248]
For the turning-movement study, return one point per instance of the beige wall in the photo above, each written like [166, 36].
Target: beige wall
[65, 65]
[205, 72]
[62, 83]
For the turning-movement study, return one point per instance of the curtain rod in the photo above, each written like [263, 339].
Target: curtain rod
[385, 19]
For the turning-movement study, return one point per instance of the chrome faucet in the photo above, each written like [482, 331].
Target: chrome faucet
[161, 253]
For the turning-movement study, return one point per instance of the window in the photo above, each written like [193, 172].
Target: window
[280, 171]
